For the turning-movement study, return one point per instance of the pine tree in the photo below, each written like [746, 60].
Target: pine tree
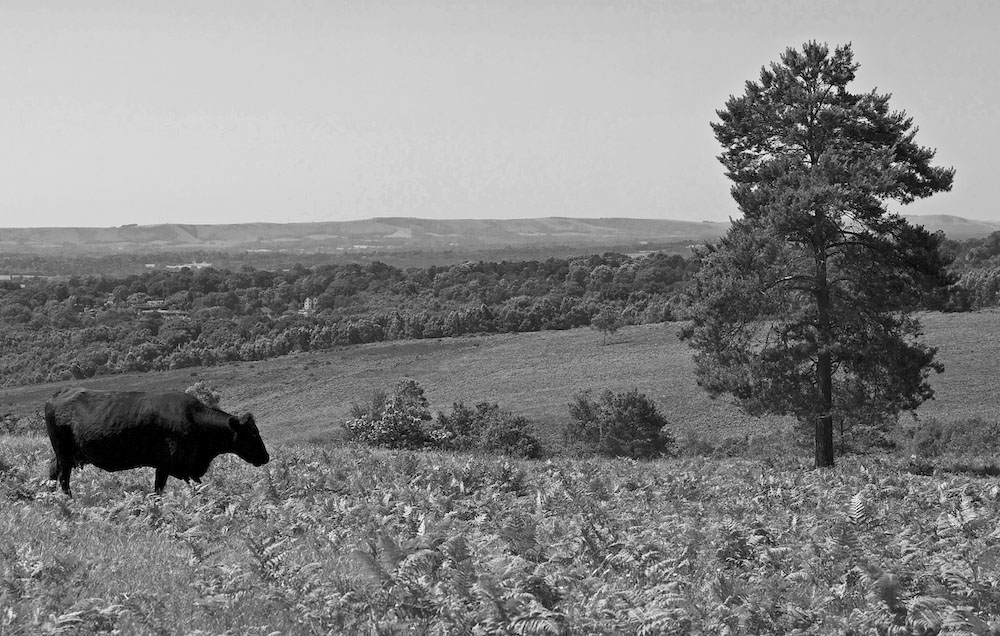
[805, 307]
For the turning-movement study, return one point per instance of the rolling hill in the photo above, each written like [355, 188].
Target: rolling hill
[306, 396]
[402, 234]
[375, 234]
[955, 227]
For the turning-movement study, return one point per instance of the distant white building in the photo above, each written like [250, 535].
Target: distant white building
[190, 266]
[309, 306]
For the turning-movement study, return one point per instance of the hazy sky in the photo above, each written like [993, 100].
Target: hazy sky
[207, 111]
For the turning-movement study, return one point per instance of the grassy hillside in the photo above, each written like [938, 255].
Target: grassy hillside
[358, 541]
[306, 396]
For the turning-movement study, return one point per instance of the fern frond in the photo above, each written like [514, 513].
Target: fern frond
[964, 620]
[456, 548]
[957, 578]
[390, 552]
[971, 514]
[420, 563]
[844, 535]
[371, 564]
[548, 624]
[925, 613]
[860, 513]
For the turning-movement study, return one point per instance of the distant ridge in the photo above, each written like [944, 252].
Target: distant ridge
[370, 234]
[391, 233]
[955, 227]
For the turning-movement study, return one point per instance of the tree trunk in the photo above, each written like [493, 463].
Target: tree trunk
[824, 362]
[824, 422]
[824, 380]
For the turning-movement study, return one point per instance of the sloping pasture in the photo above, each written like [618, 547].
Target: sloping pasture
[306, 396]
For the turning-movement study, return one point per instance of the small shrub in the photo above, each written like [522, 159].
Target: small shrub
[862, 432]
[11, 424]
[486, 428]
[694, 443]
[607, 321]
[402, 420]
[394, 427]
[395, 421]
[932, 438]
[457, 431]
[374, 405]
[624, 424]
[209, 395]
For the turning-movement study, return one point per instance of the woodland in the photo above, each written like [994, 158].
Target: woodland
[61, 327]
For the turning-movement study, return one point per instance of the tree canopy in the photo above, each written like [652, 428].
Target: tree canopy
[805, 307]
[75, 327]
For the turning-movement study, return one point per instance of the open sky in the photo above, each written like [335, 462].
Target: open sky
[227, 111]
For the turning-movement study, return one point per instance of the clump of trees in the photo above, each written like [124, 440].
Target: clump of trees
[486, 428]
[401, 419]
[626, 424]
[977, 288]
[84, 326]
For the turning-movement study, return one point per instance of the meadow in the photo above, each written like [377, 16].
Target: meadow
[304, 397]
[329, 538]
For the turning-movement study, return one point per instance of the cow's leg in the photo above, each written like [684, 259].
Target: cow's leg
[161, 480]
[63, 451]
[64, 468]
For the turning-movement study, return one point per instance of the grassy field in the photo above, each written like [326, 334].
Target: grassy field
[306, 396]
[354, 541]
[340, 539]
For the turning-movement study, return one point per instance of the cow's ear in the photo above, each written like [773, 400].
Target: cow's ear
[247, 421]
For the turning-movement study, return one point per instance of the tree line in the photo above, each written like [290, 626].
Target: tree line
[976, 262]
[84, 326]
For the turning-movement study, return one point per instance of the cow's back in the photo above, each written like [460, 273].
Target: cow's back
[118, 430]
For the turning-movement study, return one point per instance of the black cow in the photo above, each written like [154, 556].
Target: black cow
[172, 432]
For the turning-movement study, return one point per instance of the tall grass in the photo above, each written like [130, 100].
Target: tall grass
[350, 540]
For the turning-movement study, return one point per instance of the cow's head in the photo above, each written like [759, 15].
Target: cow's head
[247, 442]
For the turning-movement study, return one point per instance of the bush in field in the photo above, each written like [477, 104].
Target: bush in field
[11, 424]
[486, 428]
[401, 419]
[932, 438]
[608, 321]
[209, 395]
[392, 421]
[625, 424]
